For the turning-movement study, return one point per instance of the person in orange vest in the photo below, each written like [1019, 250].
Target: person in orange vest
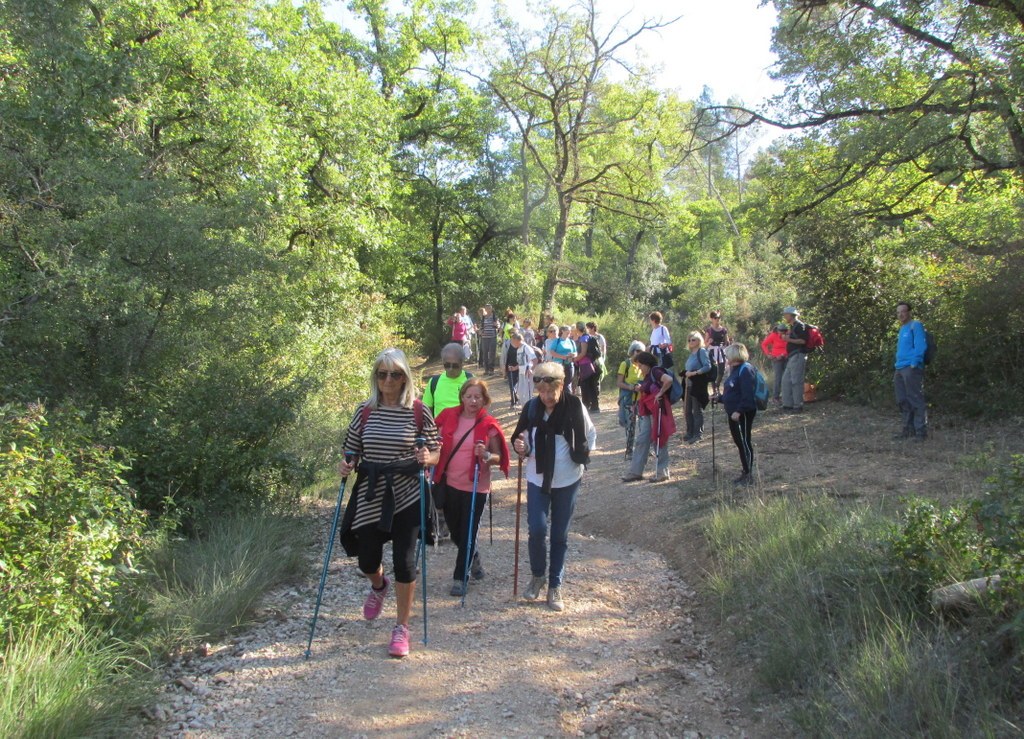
[775, 347]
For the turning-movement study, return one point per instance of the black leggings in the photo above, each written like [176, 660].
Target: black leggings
[404, 537]
[740, 431]
[456, 514]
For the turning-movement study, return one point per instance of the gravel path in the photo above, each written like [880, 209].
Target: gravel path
[625, 658]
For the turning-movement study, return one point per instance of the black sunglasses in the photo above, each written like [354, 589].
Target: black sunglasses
[452, 365]
[393, 374]
[539, 380]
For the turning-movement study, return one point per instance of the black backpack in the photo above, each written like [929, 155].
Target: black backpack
[434, 380]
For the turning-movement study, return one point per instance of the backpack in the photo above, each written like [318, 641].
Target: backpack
[436, 378]
[815, 340]
[761, 391]
[930, 347]
[713, 374]
[675, 393]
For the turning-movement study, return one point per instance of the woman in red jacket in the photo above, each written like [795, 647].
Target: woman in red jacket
[774, 346]
[470, 436]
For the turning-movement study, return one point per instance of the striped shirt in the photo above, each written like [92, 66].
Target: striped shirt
[389, 436]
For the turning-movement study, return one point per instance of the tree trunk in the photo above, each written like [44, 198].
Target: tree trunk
[557, 252]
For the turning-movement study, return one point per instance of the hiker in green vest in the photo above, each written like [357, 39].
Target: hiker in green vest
[442, 391]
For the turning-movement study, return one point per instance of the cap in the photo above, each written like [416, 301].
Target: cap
[781, 327]
[791, 310]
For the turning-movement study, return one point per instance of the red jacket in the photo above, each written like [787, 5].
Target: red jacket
[774, 345]
[448, 420]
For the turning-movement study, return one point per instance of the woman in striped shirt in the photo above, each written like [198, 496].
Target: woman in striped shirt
[385, 502]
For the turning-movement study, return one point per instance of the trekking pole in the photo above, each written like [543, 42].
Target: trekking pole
[657, 439]
[714, 464]
[519, 508]
[327, 556]
[420, 443]
[490, 515]
[470, 539]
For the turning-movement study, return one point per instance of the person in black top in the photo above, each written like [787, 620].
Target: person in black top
[796, 361]
[716, 338]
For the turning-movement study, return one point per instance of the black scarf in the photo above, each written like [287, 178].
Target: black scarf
[566, 419]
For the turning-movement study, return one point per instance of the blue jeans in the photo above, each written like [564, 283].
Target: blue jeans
[558, 505]
[625, 406]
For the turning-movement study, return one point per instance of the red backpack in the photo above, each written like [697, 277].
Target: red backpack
[815, 340]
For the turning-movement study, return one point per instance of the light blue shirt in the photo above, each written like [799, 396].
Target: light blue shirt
[910, 345]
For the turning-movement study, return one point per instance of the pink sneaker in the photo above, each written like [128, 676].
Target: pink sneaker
[374, 602]
[399, 641]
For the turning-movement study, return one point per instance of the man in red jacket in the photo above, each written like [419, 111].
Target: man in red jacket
[775, 347]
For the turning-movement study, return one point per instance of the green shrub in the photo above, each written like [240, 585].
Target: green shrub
[936, 546]
[67, 523]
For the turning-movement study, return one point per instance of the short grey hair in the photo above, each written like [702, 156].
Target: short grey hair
[454, 350]
[550, 369]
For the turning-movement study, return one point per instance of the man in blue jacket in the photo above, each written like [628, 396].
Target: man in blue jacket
[908, 378]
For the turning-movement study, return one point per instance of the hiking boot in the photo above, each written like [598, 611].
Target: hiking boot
[534, 588]
[399, 646]
[476, 567]
[920, 437]
[743, 480]
[458, 589]
[695, 439]
[660, 478]
[904, 434]
[374, 602]
[632, 478]
[555, 599]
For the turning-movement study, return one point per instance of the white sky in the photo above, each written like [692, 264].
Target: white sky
[724, 44]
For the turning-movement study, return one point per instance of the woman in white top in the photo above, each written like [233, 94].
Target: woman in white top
[555, 434]
[661, 341]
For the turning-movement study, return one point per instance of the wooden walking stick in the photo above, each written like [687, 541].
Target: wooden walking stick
[519, 508]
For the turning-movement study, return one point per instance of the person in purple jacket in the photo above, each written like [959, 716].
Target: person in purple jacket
[740, 407]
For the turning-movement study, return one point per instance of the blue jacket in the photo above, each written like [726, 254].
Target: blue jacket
[738, 392]
[910, 345]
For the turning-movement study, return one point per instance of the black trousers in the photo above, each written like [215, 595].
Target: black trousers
[456, 513]
[740, 431]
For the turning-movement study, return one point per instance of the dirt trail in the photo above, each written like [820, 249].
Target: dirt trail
[628, 656]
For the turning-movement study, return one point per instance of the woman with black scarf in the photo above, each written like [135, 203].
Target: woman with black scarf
[555, 434]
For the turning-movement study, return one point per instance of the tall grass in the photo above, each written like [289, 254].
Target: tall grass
[59, 684]
[206, 587]
[64, 685]
[826, 614]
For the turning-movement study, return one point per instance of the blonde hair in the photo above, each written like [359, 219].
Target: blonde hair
[698, 336]
[737, 351]
[392, 359]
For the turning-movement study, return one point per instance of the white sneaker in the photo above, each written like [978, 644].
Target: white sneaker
[535, 586]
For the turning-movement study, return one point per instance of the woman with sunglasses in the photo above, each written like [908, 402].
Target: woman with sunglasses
[385, 502]
[470, 436]
[555, 434]
[698, 375]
